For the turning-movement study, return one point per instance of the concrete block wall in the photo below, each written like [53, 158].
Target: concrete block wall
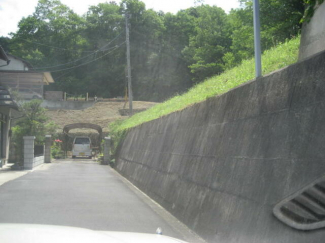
[47, 151]
[220, 166]
[30, 161]
[67, 105]
[38, 160]
[54, 95]
[29, 152]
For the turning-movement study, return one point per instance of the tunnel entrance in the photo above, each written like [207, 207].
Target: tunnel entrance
[67, 139]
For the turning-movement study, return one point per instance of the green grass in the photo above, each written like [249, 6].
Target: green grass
[273, 59]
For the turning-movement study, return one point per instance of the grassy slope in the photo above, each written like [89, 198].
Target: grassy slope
[273, 59]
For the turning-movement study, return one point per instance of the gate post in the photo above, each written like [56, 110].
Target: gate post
[107, 149]
[47, 154]
[29, 152]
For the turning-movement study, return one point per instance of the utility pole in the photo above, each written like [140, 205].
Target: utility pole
[257, 38]
[128, 61]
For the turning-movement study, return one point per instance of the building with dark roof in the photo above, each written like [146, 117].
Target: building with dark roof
[8, 109]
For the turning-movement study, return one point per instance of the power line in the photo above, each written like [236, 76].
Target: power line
[83, 56]
[89, 61]
[64, 74]
[71, 61]
[116, 47]
[54, 47]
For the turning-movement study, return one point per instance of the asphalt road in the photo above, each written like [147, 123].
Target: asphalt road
[82, 193]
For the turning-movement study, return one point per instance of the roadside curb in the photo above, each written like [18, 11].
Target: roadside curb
[181, 228]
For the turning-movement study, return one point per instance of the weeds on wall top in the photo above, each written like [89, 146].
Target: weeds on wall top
[311, 6]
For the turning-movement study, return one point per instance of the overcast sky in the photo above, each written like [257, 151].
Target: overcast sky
[12, 11]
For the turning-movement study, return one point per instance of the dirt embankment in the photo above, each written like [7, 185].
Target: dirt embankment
[102, 113]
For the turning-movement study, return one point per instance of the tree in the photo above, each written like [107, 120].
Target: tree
[104, 31]
[242, 38]
[209, 44]
[52, 36]
[280, 20]
[32, 123]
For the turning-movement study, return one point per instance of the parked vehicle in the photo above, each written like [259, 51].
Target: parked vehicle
[81, 147]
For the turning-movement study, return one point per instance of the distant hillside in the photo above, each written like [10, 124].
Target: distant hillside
[102, 114]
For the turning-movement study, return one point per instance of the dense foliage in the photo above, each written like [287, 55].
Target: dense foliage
[169, 52]
[33, 122]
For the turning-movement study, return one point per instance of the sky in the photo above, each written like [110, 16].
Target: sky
[12, 11]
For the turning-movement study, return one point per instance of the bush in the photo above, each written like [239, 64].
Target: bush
[32, 123]
[56, 149]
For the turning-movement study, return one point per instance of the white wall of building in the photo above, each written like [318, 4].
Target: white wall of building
[15, 64]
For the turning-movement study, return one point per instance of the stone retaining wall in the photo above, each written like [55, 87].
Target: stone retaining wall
[220, 166]
[66, 104]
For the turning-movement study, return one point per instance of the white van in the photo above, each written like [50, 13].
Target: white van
[81, 147]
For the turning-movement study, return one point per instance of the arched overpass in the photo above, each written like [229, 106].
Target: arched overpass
[69, 127]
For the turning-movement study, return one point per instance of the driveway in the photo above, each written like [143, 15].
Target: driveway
[82, 193]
